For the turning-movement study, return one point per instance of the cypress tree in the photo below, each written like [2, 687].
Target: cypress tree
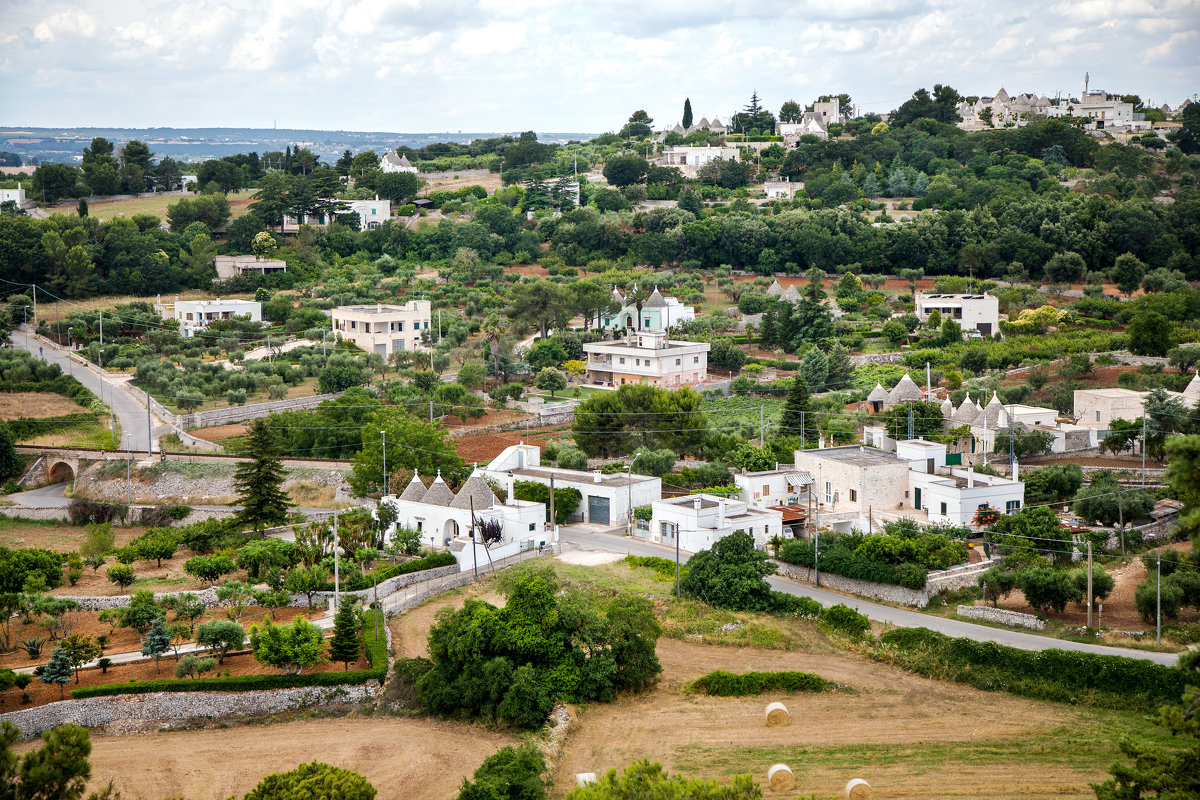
[687, 113]
[797, 403]
[258, 480]
[768, 331]
[345, 644]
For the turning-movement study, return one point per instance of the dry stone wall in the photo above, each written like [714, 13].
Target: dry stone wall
[951, 579]
[178, 707]
[1003, 616]
[386, 589]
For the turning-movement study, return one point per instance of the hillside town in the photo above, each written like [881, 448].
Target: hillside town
[419, 471]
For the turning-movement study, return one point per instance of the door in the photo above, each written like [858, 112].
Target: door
[598, 510]
[381, 349]
[917, 499]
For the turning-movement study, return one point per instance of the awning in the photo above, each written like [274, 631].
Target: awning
[798, 480]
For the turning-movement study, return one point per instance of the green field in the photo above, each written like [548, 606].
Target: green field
[155, 204]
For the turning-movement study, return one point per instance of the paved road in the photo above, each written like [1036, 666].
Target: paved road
[130, 413]
[881, 613]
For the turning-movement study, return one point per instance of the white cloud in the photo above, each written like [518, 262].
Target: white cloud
[519, 64]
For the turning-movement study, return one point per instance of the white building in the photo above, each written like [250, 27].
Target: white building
[697, 156]
[700, 520]
[383, 329]
[443, 519]
[1097, 408]
[193, 315]
[658, 313]
[782, 486]
[858, 487]
[980, 312]
[779, 189]
[371, 214]
[1103, 111]
[648, 358]
[232, 266]
[394, 163]
[16, 195]
[606, 499]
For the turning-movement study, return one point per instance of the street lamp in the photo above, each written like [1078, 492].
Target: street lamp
[629, 494]
[70, 369]
[385, 475]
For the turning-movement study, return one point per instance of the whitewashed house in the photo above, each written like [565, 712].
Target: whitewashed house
[394, 163]
[979, 312]
[193, 315]
[646, 357]
[699, 520]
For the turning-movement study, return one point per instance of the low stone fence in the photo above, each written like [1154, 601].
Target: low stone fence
[877, 358]
[101, 602]
[187, 440]
[1002, 616]
[953, 578]
[386, 589]
[226, 416]
[181, 707]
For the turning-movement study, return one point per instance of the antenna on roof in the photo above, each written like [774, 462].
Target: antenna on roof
[1086, 80]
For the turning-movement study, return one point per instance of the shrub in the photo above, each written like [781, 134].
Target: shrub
[845, 620]
[730, 684]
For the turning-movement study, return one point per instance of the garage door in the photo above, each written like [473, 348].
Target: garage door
[598, 510]
[381, 349]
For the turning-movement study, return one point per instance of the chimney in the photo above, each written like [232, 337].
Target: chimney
[510, 500]
[696, 503]
[971, 476]
[721, 513]
[596, 476]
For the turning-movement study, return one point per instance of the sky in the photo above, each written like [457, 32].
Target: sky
[559, 65]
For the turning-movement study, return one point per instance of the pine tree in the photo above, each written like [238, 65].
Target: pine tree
[794, 409]
[687, 113]
[841, 369]
[345, 644]
[769, 330]
[258, 480]
[814, 367]
[58, 670]
[870, 186]
[158, 641]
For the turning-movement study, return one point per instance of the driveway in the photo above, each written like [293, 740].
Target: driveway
[900, 617]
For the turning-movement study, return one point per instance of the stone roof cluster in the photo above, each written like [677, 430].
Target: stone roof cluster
[474, 489]
[703, 125]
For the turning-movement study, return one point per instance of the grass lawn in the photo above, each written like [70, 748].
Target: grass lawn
[95, 435]
[153, 204]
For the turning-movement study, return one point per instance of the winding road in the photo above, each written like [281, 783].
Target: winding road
[905, 618]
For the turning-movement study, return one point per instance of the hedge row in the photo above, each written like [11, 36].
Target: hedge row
[840, 561]
[732, 684]
[29, 427]
[64, 385]
[1064, 676]
[376, 650]
[360, 581]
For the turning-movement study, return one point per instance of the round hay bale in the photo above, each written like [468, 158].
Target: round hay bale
[584, 778]
[858, 789]
[780, 778]
[778, 716]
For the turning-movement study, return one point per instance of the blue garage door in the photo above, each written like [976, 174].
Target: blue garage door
[598, 510]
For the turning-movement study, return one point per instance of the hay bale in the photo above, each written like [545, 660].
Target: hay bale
[584, 778]
[858, 789]
[778, 716]
[780, 778]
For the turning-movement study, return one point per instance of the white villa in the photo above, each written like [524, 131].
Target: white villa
[979, 312]
[444, 520]
[232, 266]
[607, 499]
[646, 357]
[658, 313]
[696, 155]
[383, 329]
[192, 315]
[371, 214]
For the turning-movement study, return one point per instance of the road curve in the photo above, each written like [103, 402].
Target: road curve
[881, 613]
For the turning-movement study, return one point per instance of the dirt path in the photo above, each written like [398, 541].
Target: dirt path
[410, 630]
[413, 759]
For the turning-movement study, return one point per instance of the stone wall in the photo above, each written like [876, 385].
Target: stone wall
[1003, 616]
[386, 589]
[226, 416]
[181, 707]
[958, 577]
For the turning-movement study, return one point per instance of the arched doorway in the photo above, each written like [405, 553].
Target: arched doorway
[61, 472]
[628, 320]
[450, 530]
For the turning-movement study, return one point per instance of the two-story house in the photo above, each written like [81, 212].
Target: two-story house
[646, 357]
[383, 329]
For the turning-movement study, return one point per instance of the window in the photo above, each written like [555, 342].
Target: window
[622, 359]
[1012, 506]
[1097, 415]
[531, 525]
[828, 492]
[695, 359]
[647, 325]
[400, 326]
[637, 362]
[766, 490]
[353, 325]
[853, 496]
[943, 509]
[678, 362]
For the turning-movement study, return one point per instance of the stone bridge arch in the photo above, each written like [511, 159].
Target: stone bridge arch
[60, 470]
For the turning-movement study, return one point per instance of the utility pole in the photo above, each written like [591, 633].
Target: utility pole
[803, 438]
[817, 557]
[910, 419]
[1158, 600]
[1090, 595]
[149, 426]
[762, 428]
[1121, 515]
[385, 475]
[475, 552]
[336, 574]
[431, 411]
[128, 463]
[1143, 448]
[322, 344]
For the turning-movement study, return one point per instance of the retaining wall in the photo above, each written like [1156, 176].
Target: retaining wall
[387, 588]
[951, 579]
[225, 416]
[1003, 616]
[177, 707]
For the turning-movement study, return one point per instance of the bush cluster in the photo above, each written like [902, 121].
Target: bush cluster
[731, 684]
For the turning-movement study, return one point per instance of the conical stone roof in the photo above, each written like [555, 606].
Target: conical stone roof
[774, 290]
[904, 391]
[947, 409]
[967, 413]
[878, 394]
[415, 491]
[474, 489]
[991, 413]
[439, 493]
[655, 300]
[1191, 394]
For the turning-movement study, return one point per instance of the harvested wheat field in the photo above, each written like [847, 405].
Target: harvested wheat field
[907, 736]
[413, 759]
[37, 405]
